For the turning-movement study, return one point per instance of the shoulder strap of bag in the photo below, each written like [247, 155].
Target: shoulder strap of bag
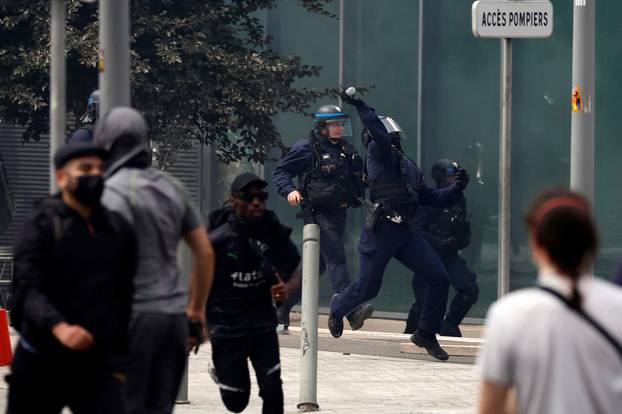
[587, 318]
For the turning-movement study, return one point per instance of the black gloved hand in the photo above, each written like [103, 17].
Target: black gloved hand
[352, 100]
[447, 245]
[462, 178]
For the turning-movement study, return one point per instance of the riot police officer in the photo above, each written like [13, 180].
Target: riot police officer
[396, 188]
[330, 180]
[85, 132]
[447, 230]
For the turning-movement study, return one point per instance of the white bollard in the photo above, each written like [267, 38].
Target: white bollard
[309, 318]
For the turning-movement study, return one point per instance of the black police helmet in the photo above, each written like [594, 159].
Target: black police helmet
[443, 168]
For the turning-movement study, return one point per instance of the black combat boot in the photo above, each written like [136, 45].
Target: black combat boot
[282, 314]
[335, 325]
[358, 316]
[431, 345]
[448, 329]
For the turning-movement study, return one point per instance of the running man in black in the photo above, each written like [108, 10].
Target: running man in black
[253, 255]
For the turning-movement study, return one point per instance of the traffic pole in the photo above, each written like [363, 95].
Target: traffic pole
[505, 164]
[114, 54]
[582, 117]
[57, 83]
[309, 318]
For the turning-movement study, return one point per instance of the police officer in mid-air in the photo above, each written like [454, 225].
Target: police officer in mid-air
[396, 188]
[330, 180]
[447, 230]
[85, 132]
[254, 255]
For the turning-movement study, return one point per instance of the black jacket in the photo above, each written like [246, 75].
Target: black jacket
[248, 255]
[73, 270]
[446, 229]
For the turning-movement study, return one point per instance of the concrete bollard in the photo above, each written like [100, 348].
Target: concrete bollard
[309, 318]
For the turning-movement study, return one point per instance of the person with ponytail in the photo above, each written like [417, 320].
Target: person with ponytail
[556, 347]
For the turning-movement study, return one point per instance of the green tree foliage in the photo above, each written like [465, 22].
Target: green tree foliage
[201, 70]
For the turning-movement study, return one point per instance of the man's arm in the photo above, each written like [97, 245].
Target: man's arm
[202, 276]
[29, 300]
[492, 398]
[295, 163]
[440, 197]
[374, 125]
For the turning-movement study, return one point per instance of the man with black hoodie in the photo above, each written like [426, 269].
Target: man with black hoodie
[74, 266]
[253, 255]
[164, 304]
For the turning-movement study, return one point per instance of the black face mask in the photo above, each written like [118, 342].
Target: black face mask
[89, 189]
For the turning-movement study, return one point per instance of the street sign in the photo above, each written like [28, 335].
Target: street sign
[510, 19]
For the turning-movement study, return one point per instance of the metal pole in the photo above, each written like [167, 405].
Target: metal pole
[341, 46]
[505, 148]
[582, 118]
[309, 318]
[57, 83]
[114, 65]
[420, 89]
[184, 258]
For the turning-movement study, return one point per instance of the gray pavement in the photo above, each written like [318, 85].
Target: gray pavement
[347, 383]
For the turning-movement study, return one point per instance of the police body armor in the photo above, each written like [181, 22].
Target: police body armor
[452, 222]
[333, 182]
[399, 190]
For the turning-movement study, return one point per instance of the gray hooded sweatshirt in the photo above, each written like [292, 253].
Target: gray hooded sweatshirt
[158, 207]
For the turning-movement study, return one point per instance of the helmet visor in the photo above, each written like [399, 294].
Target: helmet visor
[338, 128]
[392, 126]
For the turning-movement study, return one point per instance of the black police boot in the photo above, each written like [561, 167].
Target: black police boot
[430, 344]
[410, 328]
[335, 325]
[358, 316]
[282, 314]
[448, 329]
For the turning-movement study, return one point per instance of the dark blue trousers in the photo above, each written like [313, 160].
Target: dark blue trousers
[461, 279]
[332, 225]
[413, 251]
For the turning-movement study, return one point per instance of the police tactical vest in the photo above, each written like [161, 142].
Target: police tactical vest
[334, 182]
[397, 190]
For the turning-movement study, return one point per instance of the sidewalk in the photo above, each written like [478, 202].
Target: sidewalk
[347, 383]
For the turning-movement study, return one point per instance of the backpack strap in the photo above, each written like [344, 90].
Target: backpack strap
[614, 343]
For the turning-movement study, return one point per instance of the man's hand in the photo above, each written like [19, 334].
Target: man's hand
[447, 245]
[279, 290]
[73, 337]
[352, 100]
[197, 329]
[462, 178]
[294, 198]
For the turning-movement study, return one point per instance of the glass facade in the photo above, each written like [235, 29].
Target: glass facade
[460, 116]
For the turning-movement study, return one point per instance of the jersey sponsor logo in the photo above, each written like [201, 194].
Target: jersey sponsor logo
[245, 280]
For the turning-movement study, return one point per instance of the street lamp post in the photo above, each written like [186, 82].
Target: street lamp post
[57, 82]
[114, 54]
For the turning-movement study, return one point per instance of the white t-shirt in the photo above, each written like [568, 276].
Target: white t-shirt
[557, 361]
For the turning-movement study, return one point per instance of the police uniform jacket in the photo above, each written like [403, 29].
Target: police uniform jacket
[387, 164]
[248, 257]
[317, 162]
[76, 270]
[439, 225]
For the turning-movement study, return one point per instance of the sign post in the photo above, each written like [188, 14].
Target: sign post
[582, 117]
[507, 20]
